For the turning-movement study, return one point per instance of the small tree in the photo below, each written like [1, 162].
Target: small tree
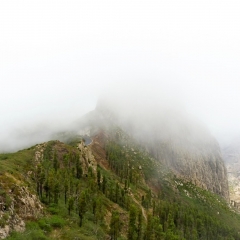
[79, 170]
[82, 207]
[104, 183]
[132, 228]
[70, 204]
[115, 226]
[99, 178]
[55, 161]
[139, 226]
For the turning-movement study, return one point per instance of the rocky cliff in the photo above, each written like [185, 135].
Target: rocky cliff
[204, 169]
[175, 139]
[17, 204]
[231, 156]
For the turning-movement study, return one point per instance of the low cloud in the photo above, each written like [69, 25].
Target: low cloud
[57, 60]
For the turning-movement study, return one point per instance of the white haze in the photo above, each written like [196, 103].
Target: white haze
[58, 57]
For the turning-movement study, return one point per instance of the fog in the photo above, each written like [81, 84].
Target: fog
[57, 58]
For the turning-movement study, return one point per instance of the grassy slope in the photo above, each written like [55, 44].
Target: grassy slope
[167, 190]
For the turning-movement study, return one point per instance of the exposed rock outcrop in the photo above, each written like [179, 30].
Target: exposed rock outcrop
[17, 203]
[87, 158]
[188, 148]
[204, 169]
[231, 156]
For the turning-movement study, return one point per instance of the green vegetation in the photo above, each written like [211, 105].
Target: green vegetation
[128, 195]
[16, 163]
[178, 210]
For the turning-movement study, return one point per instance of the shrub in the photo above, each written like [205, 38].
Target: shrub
[56, 221]
[35, 234]
[53, 210]
[44, 225]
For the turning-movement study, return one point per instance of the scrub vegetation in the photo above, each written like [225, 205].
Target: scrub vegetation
[120, 193]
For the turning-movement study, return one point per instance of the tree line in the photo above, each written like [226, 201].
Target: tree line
[59, 178]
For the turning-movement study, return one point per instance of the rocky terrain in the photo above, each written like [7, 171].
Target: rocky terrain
[18, 203]
[176, 140]
[231, 155]
[154, 177]
[206, 170]
[109, 189]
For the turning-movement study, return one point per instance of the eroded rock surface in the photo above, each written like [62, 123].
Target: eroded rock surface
[17, 203]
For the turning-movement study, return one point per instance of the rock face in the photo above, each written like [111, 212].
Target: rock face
[231, 156]
[177, 140]
[196, 160]
[17, 204]
[205, 169]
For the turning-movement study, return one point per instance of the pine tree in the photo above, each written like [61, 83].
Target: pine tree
[149, 229]
[104, 183]
[139, 226]
[79, 170]
[99, 211]
[115, 226]
[70, 205]
[82, 206]
[99, 178]
[40, 178]
[117, 193]
[132, 228]
[56, 191]
[66, 189]
[157, 228]
[55, 161]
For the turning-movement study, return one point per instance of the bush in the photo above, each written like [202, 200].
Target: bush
[44, 225]
[56, 221]
[53, 210]
[3, 157]
[35, 234]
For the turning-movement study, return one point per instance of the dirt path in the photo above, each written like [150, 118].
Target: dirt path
[142, 208]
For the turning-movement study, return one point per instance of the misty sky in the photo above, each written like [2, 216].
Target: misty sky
[58, 57]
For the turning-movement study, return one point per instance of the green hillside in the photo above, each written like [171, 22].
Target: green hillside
[111, 189]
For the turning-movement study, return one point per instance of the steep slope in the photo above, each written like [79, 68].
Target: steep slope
[231, 156]
[111, 189]
[18, 201]
[199, 163]
[178, 141]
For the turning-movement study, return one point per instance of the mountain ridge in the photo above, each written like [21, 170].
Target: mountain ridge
[133, 194]
[181, 143]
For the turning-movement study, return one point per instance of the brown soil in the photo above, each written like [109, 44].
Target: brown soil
[99, 151]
